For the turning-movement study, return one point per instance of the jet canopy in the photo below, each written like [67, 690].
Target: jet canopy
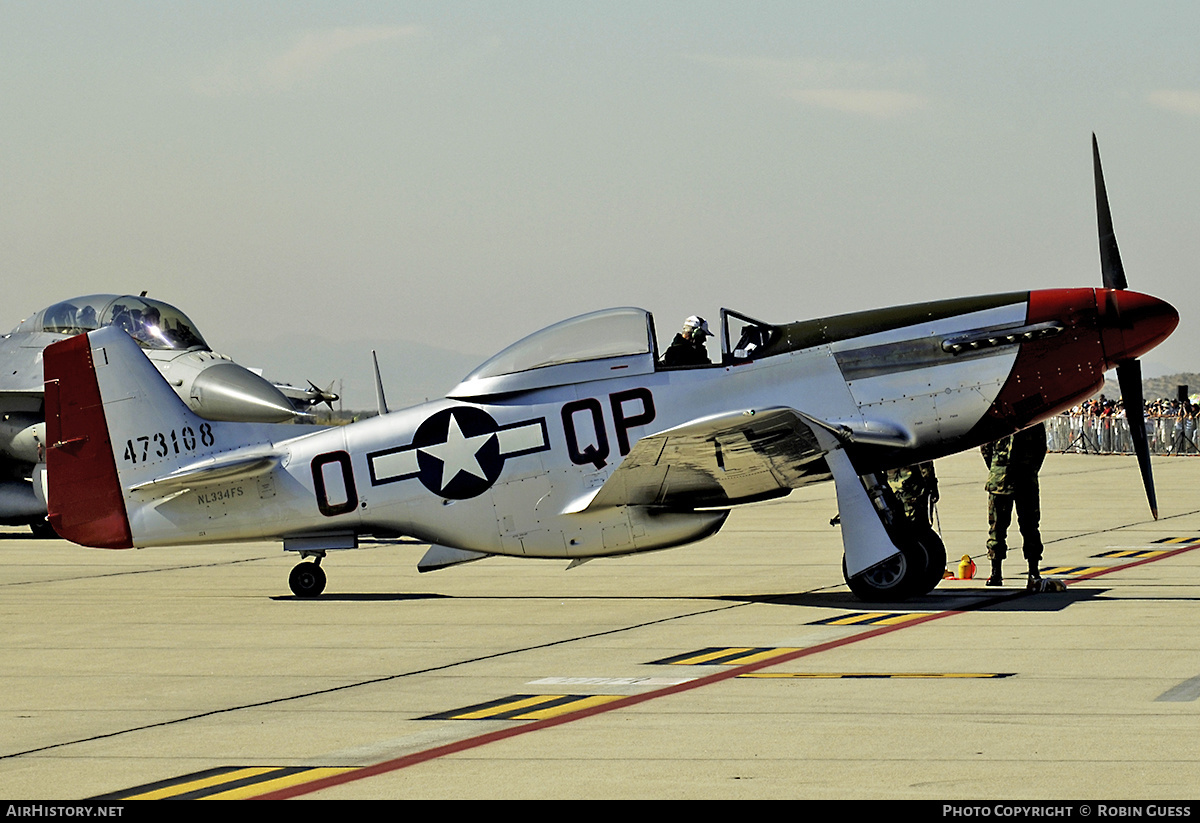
[152, 323]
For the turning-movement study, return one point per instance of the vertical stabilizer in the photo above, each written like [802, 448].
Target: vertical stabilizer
[380, 400]
[122, 444]
[85, 502]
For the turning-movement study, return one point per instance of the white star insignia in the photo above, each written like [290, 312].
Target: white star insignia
[457, 454]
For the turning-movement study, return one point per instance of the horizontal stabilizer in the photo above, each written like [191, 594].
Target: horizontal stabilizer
[221, 470]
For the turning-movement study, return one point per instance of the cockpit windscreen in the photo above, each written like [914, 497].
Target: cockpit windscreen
[152, 323]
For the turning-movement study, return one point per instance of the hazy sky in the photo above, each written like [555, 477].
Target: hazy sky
[461, 174]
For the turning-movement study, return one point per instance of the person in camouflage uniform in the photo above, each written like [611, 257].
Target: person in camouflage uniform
[1013, 464]
[916, 488]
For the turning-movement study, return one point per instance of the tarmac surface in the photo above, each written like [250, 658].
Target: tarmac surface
[739, 667]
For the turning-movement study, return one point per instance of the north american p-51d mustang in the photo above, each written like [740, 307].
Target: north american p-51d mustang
[211, 384]
[577, 442]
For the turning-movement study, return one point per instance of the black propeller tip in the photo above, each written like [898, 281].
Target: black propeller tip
[1129, 376]
[1111, 269]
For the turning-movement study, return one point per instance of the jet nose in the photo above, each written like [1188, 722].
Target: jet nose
[226, 391]
[1133, 323]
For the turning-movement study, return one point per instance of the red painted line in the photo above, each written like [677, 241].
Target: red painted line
[623, 703]
[1133, 563]
[632, 700]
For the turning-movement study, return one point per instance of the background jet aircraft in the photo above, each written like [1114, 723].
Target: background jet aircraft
[576, 442]
[211, 384]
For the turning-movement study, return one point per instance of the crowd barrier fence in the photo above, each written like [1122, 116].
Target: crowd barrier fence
[1110, 435]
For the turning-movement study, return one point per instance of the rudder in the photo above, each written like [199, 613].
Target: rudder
[85, 502]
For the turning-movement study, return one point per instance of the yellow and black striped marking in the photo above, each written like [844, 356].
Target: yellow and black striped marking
[1174, 541]
[226, 783]
[721, 656]
[876, 675]
[525, 707]
[1074, 570]
[870, 619]
[1129, 554]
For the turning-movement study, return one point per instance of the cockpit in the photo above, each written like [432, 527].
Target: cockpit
[152, 323]
[610, 343]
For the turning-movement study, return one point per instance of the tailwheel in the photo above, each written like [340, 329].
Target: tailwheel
[307, 579]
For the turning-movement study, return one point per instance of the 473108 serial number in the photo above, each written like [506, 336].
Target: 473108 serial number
[164, 444]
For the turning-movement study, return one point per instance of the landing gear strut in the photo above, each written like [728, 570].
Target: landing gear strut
[915, 571]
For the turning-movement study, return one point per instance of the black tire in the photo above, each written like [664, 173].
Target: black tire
[307, 580]
[42, 530]
[935, 559]
[898, 578]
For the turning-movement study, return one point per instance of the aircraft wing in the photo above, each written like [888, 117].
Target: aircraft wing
[21, 380]
[717, 461]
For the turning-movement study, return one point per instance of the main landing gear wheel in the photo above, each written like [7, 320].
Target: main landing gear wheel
[915, 571]
[894, 579]
[307, 580]
[935, 559]
[42, 530]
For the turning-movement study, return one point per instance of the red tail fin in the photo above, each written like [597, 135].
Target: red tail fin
[85, 501]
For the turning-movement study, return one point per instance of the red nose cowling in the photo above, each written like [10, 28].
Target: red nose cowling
[1099, 329]
[1132, 323]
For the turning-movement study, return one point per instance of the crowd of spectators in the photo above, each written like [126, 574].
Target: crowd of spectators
[1102, 406]
[1099, 425]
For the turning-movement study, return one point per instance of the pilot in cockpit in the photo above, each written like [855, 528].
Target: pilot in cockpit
[147, 328]
[87, 318]
[688, 349]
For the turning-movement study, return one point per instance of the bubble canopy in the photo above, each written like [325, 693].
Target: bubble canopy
[609, 343]
[152, 323]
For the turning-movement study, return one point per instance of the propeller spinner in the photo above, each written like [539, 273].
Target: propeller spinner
[1129, 372]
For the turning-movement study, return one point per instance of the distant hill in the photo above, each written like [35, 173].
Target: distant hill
[1158, 387]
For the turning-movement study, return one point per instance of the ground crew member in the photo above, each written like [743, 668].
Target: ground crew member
[1013, 464]
[916, 489]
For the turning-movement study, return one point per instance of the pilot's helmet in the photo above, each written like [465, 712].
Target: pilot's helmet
[697, 324]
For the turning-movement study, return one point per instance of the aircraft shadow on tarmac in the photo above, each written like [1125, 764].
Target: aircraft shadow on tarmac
[1011, 599]
[368, 597]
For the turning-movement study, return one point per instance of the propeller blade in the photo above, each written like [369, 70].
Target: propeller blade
[1129, 372]
[1129, 375]
[318, 395]
[1110, 255]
